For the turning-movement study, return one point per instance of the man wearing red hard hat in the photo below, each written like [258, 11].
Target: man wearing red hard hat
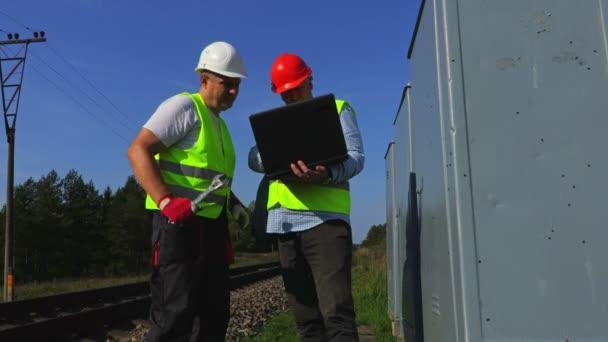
[312, 222]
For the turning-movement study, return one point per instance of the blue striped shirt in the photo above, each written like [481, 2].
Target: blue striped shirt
[282, 220]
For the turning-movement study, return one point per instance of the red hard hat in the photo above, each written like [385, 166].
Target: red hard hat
[287, 72]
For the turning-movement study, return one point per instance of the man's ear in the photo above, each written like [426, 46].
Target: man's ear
[203, 79]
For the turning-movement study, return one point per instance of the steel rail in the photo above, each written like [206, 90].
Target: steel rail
[63, 315]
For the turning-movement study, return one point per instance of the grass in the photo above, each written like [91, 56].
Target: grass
[281, 327]
[47, 288]
[369, 295]
[370, 291]
[246, 258]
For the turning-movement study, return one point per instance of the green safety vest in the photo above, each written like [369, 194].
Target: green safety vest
[188, 172]
[333, 198]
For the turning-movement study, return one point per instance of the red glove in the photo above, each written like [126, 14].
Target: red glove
[176, 209]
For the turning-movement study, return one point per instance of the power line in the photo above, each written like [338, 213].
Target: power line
[77, 72]
[75, 100]
[81, 105]
[92, 85]
[130, 128]
[15, 21]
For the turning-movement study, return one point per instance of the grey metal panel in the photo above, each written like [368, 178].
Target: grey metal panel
[535, 75]
[458, 198]
[391, 222]
[429, 142]
[509, 95]
[402, 161]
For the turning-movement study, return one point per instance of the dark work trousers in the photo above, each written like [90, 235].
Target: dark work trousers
[190, 284]
[316, 265]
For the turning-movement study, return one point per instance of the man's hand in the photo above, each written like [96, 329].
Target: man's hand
[176, 209]
[240, 215]
[304, 174]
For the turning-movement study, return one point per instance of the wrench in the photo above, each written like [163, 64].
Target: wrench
[217, 182]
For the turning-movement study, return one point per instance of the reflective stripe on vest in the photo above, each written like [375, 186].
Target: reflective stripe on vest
[333, 198]
[188, 172]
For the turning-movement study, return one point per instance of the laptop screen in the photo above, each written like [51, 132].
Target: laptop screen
[309, 131]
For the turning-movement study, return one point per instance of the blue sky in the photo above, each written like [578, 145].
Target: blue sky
[107, 65]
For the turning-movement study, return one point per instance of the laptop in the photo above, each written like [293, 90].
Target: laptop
[309, 131]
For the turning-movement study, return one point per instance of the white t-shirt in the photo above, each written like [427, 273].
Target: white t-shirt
[175, 122]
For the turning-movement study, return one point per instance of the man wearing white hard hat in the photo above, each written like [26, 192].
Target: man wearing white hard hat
[175, 157]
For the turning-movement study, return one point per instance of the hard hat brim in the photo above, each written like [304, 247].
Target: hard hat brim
[294, 84]
[223, 73]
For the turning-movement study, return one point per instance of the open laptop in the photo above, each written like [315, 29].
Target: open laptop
[309, 131]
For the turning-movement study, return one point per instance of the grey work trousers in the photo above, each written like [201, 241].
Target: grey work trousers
[190, 284]
[316, 268]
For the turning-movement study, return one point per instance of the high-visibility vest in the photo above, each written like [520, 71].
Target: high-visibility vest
[333, 198]
[188, 172]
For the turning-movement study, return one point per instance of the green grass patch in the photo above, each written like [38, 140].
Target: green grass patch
[48, 288]
[245, 258]
[281, 327]
[369, 295]
[370, 291]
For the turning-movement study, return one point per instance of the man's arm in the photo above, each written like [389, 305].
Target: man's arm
[353, 165]
[141, 155]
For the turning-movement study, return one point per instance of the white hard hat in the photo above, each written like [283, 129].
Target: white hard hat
[221, 58]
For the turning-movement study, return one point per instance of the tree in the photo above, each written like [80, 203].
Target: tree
[129, 235]
[39, 246]
[82, 222]
[376, 236]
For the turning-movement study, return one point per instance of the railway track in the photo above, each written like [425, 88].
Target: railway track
[61, 316]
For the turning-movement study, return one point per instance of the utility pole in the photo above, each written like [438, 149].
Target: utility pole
[11, 91]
